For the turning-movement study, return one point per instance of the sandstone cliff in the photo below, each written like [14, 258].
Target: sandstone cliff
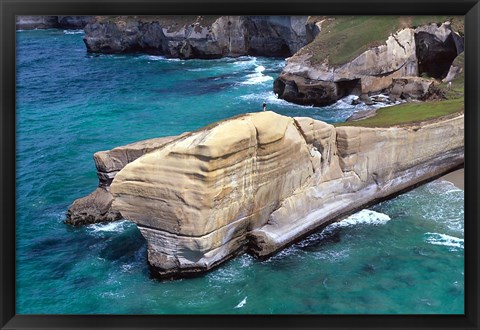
[326, 69]
[197, 36]
[261, 181]
[96, 207]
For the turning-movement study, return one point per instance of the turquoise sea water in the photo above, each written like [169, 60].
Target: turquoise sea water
[403, 256]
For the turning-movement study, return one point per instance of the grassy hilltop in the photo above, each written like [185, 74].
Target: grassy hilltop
[345, 37]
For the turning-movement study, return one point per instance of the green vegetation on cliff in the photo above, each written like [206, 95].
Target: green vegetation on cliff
[342, 38]
[409, 113]
[174, 22]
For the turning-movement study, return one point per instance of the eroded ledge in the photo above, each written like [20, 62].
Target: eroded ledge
[261, 181]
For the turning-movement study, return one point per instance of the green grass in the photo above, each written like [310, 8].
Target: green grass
[458, 84]
[173, 22]
[343, 38]
[408, 113]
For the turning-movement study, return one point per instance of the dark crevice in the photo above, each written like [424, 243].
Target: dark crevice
[434, 56]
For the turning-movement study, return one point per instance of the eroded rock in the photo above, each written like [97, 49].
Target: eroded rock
[426, 50]
[261, 181]
[198, 36]
[25, 22]
[96, 207]
[198, 197]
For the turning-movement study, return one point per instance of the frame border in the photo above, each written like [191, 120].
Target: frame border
[10, 8]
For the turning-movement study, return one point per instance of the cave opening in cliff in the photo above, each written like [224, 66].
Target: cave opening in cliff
[434, 56]
[348, 87]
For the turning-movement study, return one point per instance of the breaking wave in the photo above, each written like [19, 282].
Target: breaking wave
[446, 240]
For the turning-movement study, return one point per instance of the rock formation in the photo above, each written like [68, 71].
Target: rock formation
[197, 36]
[24, 22]
[96, 207]
[427, 50]
[261, 181]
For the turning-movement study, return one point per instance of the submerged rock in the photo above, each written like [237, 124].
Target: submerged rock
[261, 181]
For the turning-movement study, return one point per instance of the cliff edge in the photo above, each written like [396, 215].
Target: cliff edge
[364, 55]
[197, 36]
[261, 181]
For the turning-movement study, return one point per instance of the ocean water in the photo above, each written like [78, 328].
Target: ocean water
[403, 256]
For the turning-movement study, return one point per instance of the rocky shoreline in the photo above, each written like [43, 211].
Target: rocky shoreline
[393, 68]
[52, 22]
[205, 37]
[259, 182]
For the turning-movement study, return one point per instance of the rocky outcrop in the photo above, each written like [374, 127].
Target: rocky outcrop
[456, 69]
[427, 50]
[74, 22]
[417, 88]
[197, 36]
[436, 48]
[49, 22]
[36, 22]
[96, 207]
[261, 181]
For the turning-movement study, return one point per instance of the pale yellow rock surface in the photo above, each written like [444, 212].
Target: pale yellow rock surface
[370, 163]
[96, 207]
[261, 181]
[212, 187]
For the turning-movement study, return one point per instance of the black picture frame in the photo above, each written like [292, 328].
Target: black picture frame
[10, 8]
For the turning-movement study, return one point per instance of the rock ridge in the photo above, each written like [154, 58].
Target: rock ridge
[197, 36]
[261, 181]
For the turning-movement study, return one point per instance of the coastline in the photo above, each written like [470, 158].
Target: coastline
[456, 177]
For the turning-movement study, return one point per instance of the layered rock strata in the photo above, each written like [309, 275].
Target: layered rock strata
[197, 36]
[261, 181]
[24, 22]
[426, 50]
[96, 207]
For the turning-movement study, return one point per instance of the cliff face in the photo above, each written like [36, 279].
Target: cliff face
[50, 22]
[426, 50]
[261, 181]
[198, 36]
[96, 207]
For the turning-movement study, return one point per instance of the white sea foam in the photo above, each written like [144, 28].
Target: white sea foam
[109, 227]
[445, 240]
[126, 268]
[246, 260]
[346, 102]
[157, 58]
[270, 98]
[443, 193]
[260, 69]
[258, 77]
[73, 32]
[241, 303]
[364, 217]
[332, 256]
[245, 61]
[201, 69]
